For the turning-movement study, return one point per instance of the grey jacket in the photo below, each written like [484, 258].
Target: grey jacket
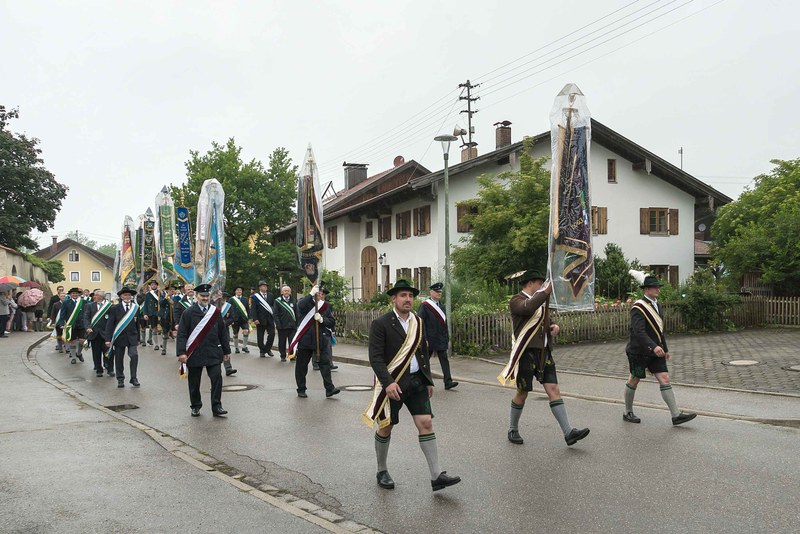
[4, 305]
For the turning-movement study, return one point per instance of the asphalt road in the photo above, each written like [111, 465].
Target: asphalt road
[710, 475]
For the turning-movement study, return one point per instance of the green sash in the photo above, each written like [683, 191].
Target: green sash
[100, 313]
[288, 308]
[240, 307]
[70, 324]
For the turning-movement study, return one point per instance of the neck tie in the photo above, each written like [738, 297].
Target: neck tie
[127, 307]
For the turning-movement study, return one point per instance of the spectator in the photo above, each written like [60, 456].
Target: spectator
[4, 312]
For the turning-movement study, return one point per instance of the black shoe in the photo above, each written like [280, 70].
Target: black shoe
[269, 353]
[283, 358]
[110, 373]
[683, 417]
[444, 480]
[514, 437]
[230, 372]
[263, 355]
[237, 351]
[315, 367]
[384, 480]
[450, 385]
[120, 384]
[149, 342]
[74, 360]
[630, 417]
[80, 358]
[156, 347]
[575, 435]
[164, 352]
[221, 412]
[334, 367]
[331, 393]
[99, 373]
[195, 412]
[246, 350]
[135, 383]
[302, 394]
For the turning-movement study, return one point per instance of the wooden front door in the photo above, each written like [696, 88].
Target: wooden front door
[369, 273]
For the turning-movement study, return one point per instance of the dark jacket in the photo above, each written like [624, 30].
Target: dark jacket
[165, 312]
[150, 306]
[89, 309]
[643, 337]
[386, 335]
[54, 299]
[259, 313]
[284, 320]
[67, 308]
[435, 331]
[214, 346]
[236, 314]
[130, 336]
[178, 308]
[309, 340]
[522, 308]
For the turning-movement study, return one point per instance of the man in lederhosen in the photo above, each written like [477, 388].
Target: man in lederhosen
[122, 332]
[227, 311]
[317, 318]
[72, 319]
[186, 300]
[431, 311]
[166, 317]
[203, 343]
[150, 312]
[285, 319]
[96, 315]
[240, 319]
[262, 309]
[399, 359]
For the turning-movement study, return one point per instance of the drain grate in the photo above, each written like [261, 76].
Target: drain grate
[740, 363]
[793, 368]
[238, 387]
[357, 387]
[122, 407]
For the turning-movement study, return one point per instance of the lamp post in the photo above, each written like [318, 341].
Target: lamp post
[446, 140]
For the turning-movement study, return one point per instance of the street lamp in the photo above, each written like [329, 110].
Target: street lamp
[446, 140]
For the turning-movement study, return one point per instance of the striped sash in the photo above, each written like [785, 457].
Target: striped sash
[519, 343]
[264, 304]
[123, 324]
[225, 309]
[70, 323]
[100, 313]
[652, 317]
[379, 408]
[437, 311]
[240, 307]
[201, 330]
[286, 306]
[305, 324]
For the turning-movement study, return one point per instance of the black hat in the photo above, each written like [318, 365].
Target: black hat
[325, 290]
[437, 286]
[128, 290]
[203, 288]
[401, 285]
[74, 290]
[151, 282]
[262, 283]
[651, 281]
[238, 287]
[225, 294]
[531, 274]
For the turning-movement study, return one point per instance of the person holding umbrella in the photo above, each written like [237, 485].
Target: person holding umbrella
[5, 308]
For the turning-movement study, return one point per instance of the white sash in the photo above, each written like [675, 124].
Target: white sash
[240, 307]
[102, 311]
[433, 306]
[652, 317]
[304, 326]
[263, 302]
[225, 309]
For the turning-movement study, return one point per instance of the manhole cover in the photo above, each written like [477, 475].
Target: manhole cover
[121, 407]
[357, 388]
[793, 368]
[741, 363]
[238, 387]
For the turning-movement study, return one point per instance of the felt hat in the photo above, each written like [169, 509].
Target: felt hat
[128, 290]
[262, 283]
[402, 285]
[651, 281]
[74, 290]
[531, 274]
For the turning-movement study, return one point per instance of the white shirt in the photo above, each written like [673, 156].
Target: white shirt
[653, 302]
[404, 323]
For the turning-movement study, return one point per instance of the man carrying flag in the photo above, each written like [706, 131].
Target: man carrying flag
[72, 319]
[203, 342]
[122, 332]
[317, 314]
[96, 314]
[227, 312]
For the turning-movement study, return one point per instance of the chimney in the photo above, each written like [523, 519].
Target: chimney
[54, 245]
[354, 173]
[502, 135]
[469, 151]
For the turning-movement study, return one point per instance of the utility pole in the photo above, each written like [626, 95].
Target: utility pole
[469, 111]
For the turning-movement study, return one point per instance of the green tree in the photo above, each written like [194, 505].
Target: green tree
[509, 224]
[612, 276]
[30, 196]
[258, 202]
[109, 249]
[759, 231]
[53, 268]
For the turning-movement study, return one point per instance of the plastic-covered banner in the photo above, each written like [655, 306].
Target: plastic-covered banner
[184, 261]
[149, 252]
[127, 263]
[210, 245]
[309, 218]
[165, 211]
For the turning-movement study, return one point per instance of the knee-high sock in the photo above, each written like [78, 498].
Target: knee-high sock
[427, 443]
[78, 347]
[669, 398]
[382, 451]
[149, 334]
[516, 413]
[244, 340]
[164, 339]
[236, 341]
[630, 391]
[560, 413]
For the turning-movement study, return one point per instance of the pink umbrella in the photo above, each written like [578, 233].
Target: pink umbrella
[31, 297]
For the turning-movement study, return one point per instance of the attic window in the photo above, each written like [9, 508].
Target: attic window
[74, 256]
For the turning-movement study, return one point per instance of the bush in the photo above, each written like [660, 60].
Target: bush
[705, 302]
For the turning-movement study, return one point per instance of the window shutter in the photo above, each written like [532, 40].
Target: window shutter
[427, 215]
[673, 222]
[644, 220]
[673, 275]
[398, 223]
[415, 221]
[602, 220]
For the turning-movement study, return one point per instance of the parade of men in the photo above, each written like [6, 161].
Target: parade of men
[432, 313]
[202, 343]
[97, 313]
[240, 319]
[73, 322]
[262, 314]
[313, 341]
[122, 335]
[182, 303]
[150, 312]
[166, 315]
[285, 319]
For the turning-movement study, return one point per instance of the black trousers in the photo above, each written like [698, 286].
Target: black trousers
[270, 330]
[98, 351]
[301, 368]
[285, 336]
[445, 363]
[119, 360]
[214, 373]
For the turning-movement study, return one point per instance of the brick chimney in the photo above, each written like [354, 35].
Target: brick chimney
[354, 173]
[470, 151]
[54, 245]
[502, 135]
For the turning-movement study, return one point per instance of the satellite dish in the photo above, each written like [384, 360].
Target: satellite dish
[702, 227]
[399, 160]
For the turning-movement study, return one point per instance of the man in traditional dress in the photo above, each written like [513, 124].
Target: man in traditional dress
[183, 303]
[647, 349]
[226, 310]
[310, 337]
[240, 319]
[150, 311]
[399, 359]
[73, 321]
[531, 355]
[203, 343]
[166, 316]
[87, 295]
[122, 332]
[96, 315]
[140, 297]
[285, 319]
[435, 321]
[262, 313]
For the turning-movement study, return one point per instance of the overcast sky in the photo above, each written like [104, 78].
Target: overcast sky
[120, 92]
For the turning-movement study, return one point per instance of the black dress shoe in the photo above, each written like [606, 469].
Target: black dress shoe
[302, 394]
[683, 417]
[316, 367]
[221, 412]
[443, 481]
[630, 417]
[514, 437]
[110, 373]
[263, 355]
[331, 393]
[164, 352]
[269, 353]
[246, 350]
[575, 435]
[333, 366]
[195, 412]
[99, 373]
[237, 351]
[384, 480]
[135, 383]
[80, 358]
[120, 384]
[74, 361]
[230, 372]
[450, 385]
[283, 358]
[156, 347]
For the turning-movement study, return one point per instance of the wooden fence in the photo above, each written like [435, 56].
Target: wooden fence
[493, 331]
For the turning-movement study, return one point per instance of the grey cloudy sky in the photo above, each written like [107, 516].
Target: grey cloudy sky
[119, 92]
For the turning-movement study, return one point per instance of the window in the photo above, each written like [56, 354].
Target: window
[612, 171]
[463, 212]
[95, 276]
[405, 274]
[368, 232]
[658, 221]
[668, 273]
[422, 277]
[422, 220]
[333, 236]
[74, 256]
[384, 229]
[599, 220]
[74, 276]
[404, 225]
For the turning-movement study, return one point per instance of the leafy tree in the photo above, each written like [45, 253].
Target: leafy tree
[258, 202]
[82, 239]
[706, 302]
[109, 249]
[759, 231]
[510, 223]
[53, 268]
[30, 196]
[612, 276]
